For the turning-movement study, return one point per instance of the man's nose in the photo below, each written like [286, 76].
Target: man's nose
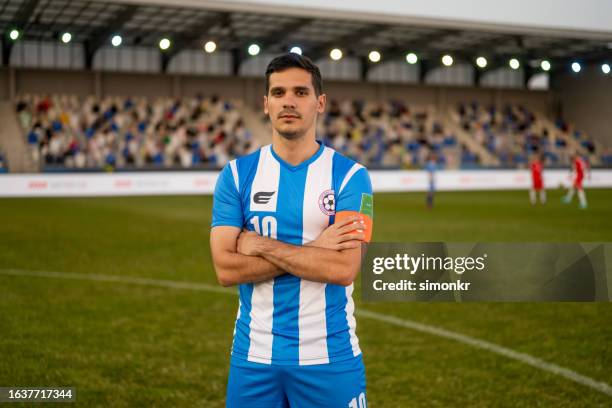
[289, 102]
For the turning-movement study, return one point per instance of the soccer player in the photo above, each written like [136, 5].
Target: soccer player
[579, 167]
[431, 167]
[289, 224]
[537, 179]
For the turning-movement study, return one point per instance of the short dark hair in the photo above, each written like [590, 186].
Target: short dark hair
[293, 60]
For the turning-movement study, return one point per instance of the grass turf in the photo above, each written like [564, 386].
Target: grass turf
[128, 345]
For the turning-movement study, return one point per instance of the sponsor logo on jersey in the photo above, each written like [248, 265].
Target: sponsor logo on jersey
[263, 197]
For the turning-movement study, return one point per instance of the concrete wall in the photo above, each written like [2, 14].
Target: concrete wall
[226, 86]
[54, 82]
[149, 85]
[4, 84]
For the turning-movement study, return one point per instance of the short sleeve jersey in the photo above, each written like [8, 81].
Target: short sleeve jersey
[288, 320]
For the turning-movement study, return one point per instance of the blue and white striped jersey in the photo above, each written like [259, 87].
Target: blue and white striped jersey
[288, 320]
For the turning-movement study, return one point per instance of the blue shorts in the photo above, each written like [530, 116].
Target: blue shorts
[341, 384]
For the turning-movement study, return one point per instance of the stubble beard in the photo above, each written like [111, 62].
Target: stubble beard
[290, 134]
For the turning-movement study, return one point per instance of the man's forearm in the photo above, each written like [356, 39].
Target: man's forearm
[311, 263]
[234, 269]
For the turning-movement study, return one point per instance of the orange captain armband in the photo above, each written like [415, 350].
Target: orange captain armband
[366, 213]
[367, 221]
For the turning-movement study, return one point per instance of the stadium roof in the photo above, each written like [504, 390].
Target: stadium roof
[92, 23]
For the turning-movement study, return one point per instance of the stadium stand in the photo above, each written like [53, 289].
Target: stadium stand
[67, 132]
[392, 134]
[513, 132]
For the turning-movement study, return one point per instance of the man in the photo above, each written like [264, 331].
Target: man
[579, 167]
[537, 180]
[431, 167]
[288, 225]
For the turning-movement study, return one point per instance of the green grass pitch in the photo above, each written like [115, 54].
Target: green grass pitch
[131, 345]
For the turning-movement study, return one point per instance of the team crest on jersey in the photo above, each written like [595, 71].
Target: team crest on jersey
[327, 202]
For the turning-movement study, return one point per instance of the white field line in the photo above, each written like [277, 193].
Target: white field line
[506, 352]
[120, 279]
[408, 324]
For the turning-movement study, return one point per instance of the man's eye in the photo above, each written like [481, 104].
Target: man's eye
[302, 92]
[277, 93]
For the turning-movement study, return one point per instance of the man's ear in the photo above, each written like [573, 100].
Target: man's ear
[265, 104]
[321, 101]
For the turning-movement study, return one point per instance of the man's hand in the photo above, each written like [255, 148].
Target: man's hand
[345, 234]
[247, 243]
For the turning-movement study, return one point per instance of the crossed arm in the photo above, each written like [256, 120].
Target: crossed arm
[244, 256]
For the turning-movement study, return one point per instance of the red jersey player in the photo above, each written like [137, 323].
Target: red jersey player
[579, 168]
[537, 168]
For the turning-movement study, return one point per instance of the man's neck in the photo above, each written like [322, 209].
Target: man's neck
[294, 151]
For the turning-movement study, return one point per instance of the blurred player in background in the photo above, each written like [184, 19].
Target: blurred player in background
[537, 180]
[288, 225]
[579, 168]
[431, 166]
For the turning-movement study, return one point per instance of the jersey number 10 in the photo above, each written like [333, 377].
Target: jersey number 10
[267, 227]
[362, 402]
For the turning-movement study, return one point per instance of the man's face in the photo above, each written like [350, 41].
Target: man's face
[292, 103]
